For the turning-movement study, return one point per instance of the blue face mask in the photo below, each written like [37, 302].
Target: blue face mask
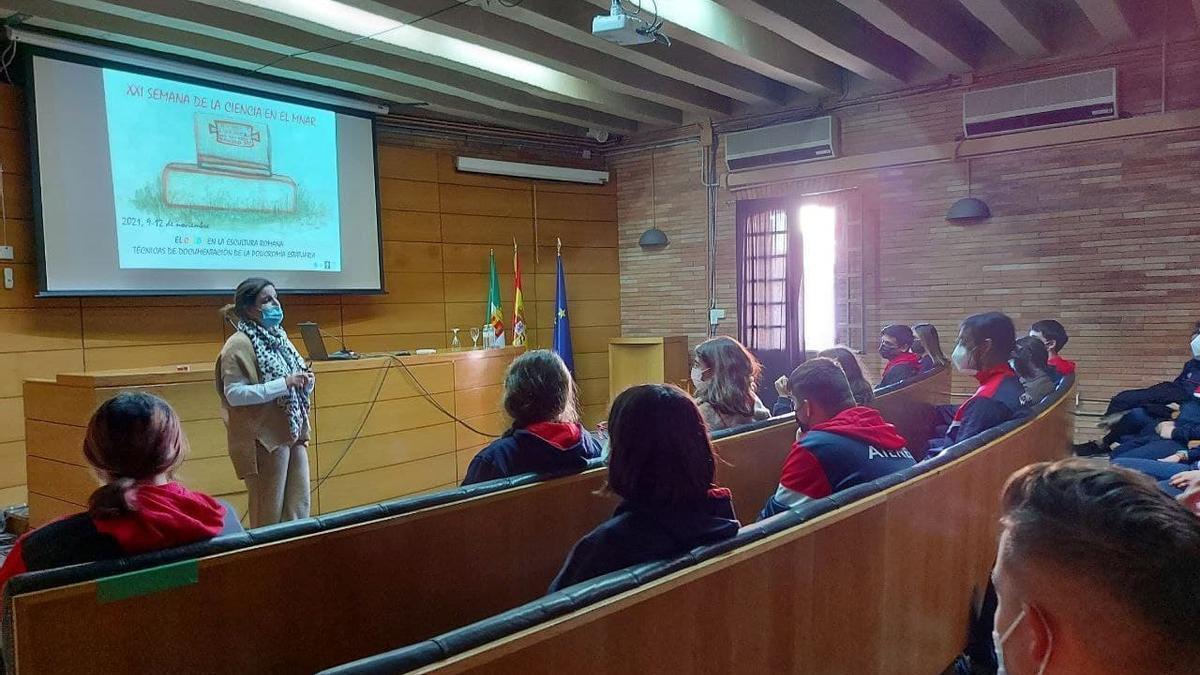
[272, 316]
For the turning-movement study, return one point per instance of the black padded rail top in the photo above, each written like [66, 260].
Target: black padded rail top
[919, 377]
[581, 595]
[62, 576]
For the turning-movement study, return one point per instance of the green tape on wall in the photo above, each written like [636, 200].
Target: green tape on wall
[145, 582]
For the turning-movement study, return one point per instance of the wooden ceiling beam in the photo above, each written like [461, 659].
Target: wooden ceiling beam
[1019, 26]
[1108, 20]
[949, 48]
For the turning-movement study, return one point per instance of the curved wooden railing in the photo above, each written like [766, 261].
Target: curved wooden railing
[878, 579]
[346, 585]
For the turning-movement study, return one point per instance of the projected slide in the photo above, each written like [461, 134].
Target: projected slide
[207, 179]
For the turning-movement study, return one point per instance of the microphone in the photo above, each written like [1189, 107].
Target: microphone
[344, 352]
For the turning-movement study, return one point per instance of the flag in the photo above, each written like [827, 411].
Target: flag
[562, 323]
[495, 316]
[518, 322]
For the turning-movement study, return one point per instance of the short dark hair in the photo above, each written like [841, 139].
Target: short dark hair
[1030, 358]
[538, 388]
[659, 451]
[1115, 528]
[245, 297]
[1052, 330]
[901, 333]
[821, 381]
[994, 326]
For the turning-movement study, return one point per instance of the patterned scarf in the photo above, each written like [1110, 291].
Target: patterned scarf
[278, 358]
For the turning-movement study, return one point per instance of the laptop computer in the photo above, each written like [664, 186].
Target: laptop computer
[314, 344]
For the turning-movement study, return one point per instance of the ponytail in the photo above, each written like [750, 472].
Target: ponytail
[115, 499]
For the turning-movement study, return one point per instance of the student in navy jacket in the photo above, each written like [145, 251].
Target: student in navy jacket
[1129, 411]
[545, 436]
[985, 342]
[842, 444]
[134, 443]
[661, 464]
[895, 346]
[928, 346]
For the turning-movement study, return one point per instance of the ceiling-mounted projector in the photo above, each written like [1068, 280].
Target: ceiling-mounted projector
[623, 29]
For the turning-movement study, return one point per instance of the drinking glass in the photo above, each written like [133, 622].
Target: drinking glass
[454, 343]
[474, 338]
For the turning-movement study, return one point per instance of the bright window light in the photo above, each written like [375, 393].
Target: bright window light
[820, 256]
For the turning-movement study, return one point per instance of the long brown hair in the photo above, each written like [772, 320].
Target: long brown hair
[660, 454]
[538, 388]
[245, 297]
[928, 335]
[848, 360]
[132, 437]
[735, 374]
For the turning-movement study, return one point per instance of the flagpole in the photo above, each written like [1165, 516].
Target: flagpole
[559, 239]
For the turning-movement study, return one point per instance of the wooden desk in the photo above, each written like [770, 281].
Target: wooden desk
[405, 445]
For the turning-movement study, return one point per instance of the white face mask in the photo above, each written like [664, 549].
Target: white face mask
[961, 358]
[999, 640]
[1196, 347]
[697, 376]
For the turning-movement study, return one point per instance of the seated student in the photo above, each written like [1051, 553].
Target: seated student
[1096, 572]
[895, 346]
[545, 436]
[1029, 360]
[1054, 336]
[1156, 402]
[134, 443]
[984, 344]
[725, 375]
[1148, 438]
[928, 346]
[848, 360]
[863, 392]
[841, 444]
[661, 464]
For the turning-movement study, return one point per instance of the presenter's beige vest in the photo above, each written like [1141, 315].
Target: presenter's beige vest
[249, 425]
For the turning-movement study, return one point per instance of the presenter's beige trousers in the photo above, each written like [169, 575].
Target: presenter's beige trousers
[279, 491]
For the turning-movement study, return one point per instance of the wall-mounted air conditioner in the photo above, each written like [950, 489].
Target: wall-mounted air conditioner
[788, 143]
[1057, 101]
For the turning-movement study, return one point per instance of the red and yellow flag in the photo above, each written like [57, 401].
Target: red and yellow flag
[518, 322]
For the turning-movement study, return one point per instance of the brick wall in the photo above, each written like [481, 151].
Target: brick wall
[1101, 234]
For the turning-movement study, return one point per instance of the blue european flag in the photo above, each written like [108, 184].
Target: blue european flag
[562, 322]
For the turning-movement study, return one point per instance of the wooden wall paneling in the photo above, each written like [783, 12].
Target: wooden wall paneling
[342, 457]
[412, 256]
[49, 507]
[486, 201]
[58, 442]
[374, 485]
[582, 313]
[564, 206]
[359, 385]
[487, 229]
[580, 233]
[580, 286]
[70, 483]
[12, 458]
[210, 475]
[383, 417]
[50, 402]
[404, 288]
[489, 427]
[15, 495]
[408, 195]
[16, 367]
[414, 226]
[33, 330]
[407, 163]
[115, 358]
[577, 260]
[390, 342]
[383, 319]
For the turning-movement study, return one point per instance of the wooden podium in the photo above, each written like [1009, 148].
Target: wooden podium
[404, 445]
[647, 360]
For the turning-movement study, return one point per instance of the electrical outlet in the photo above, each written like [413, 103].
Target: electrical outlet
[6, 253]
[715, 316]
[8, 278]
